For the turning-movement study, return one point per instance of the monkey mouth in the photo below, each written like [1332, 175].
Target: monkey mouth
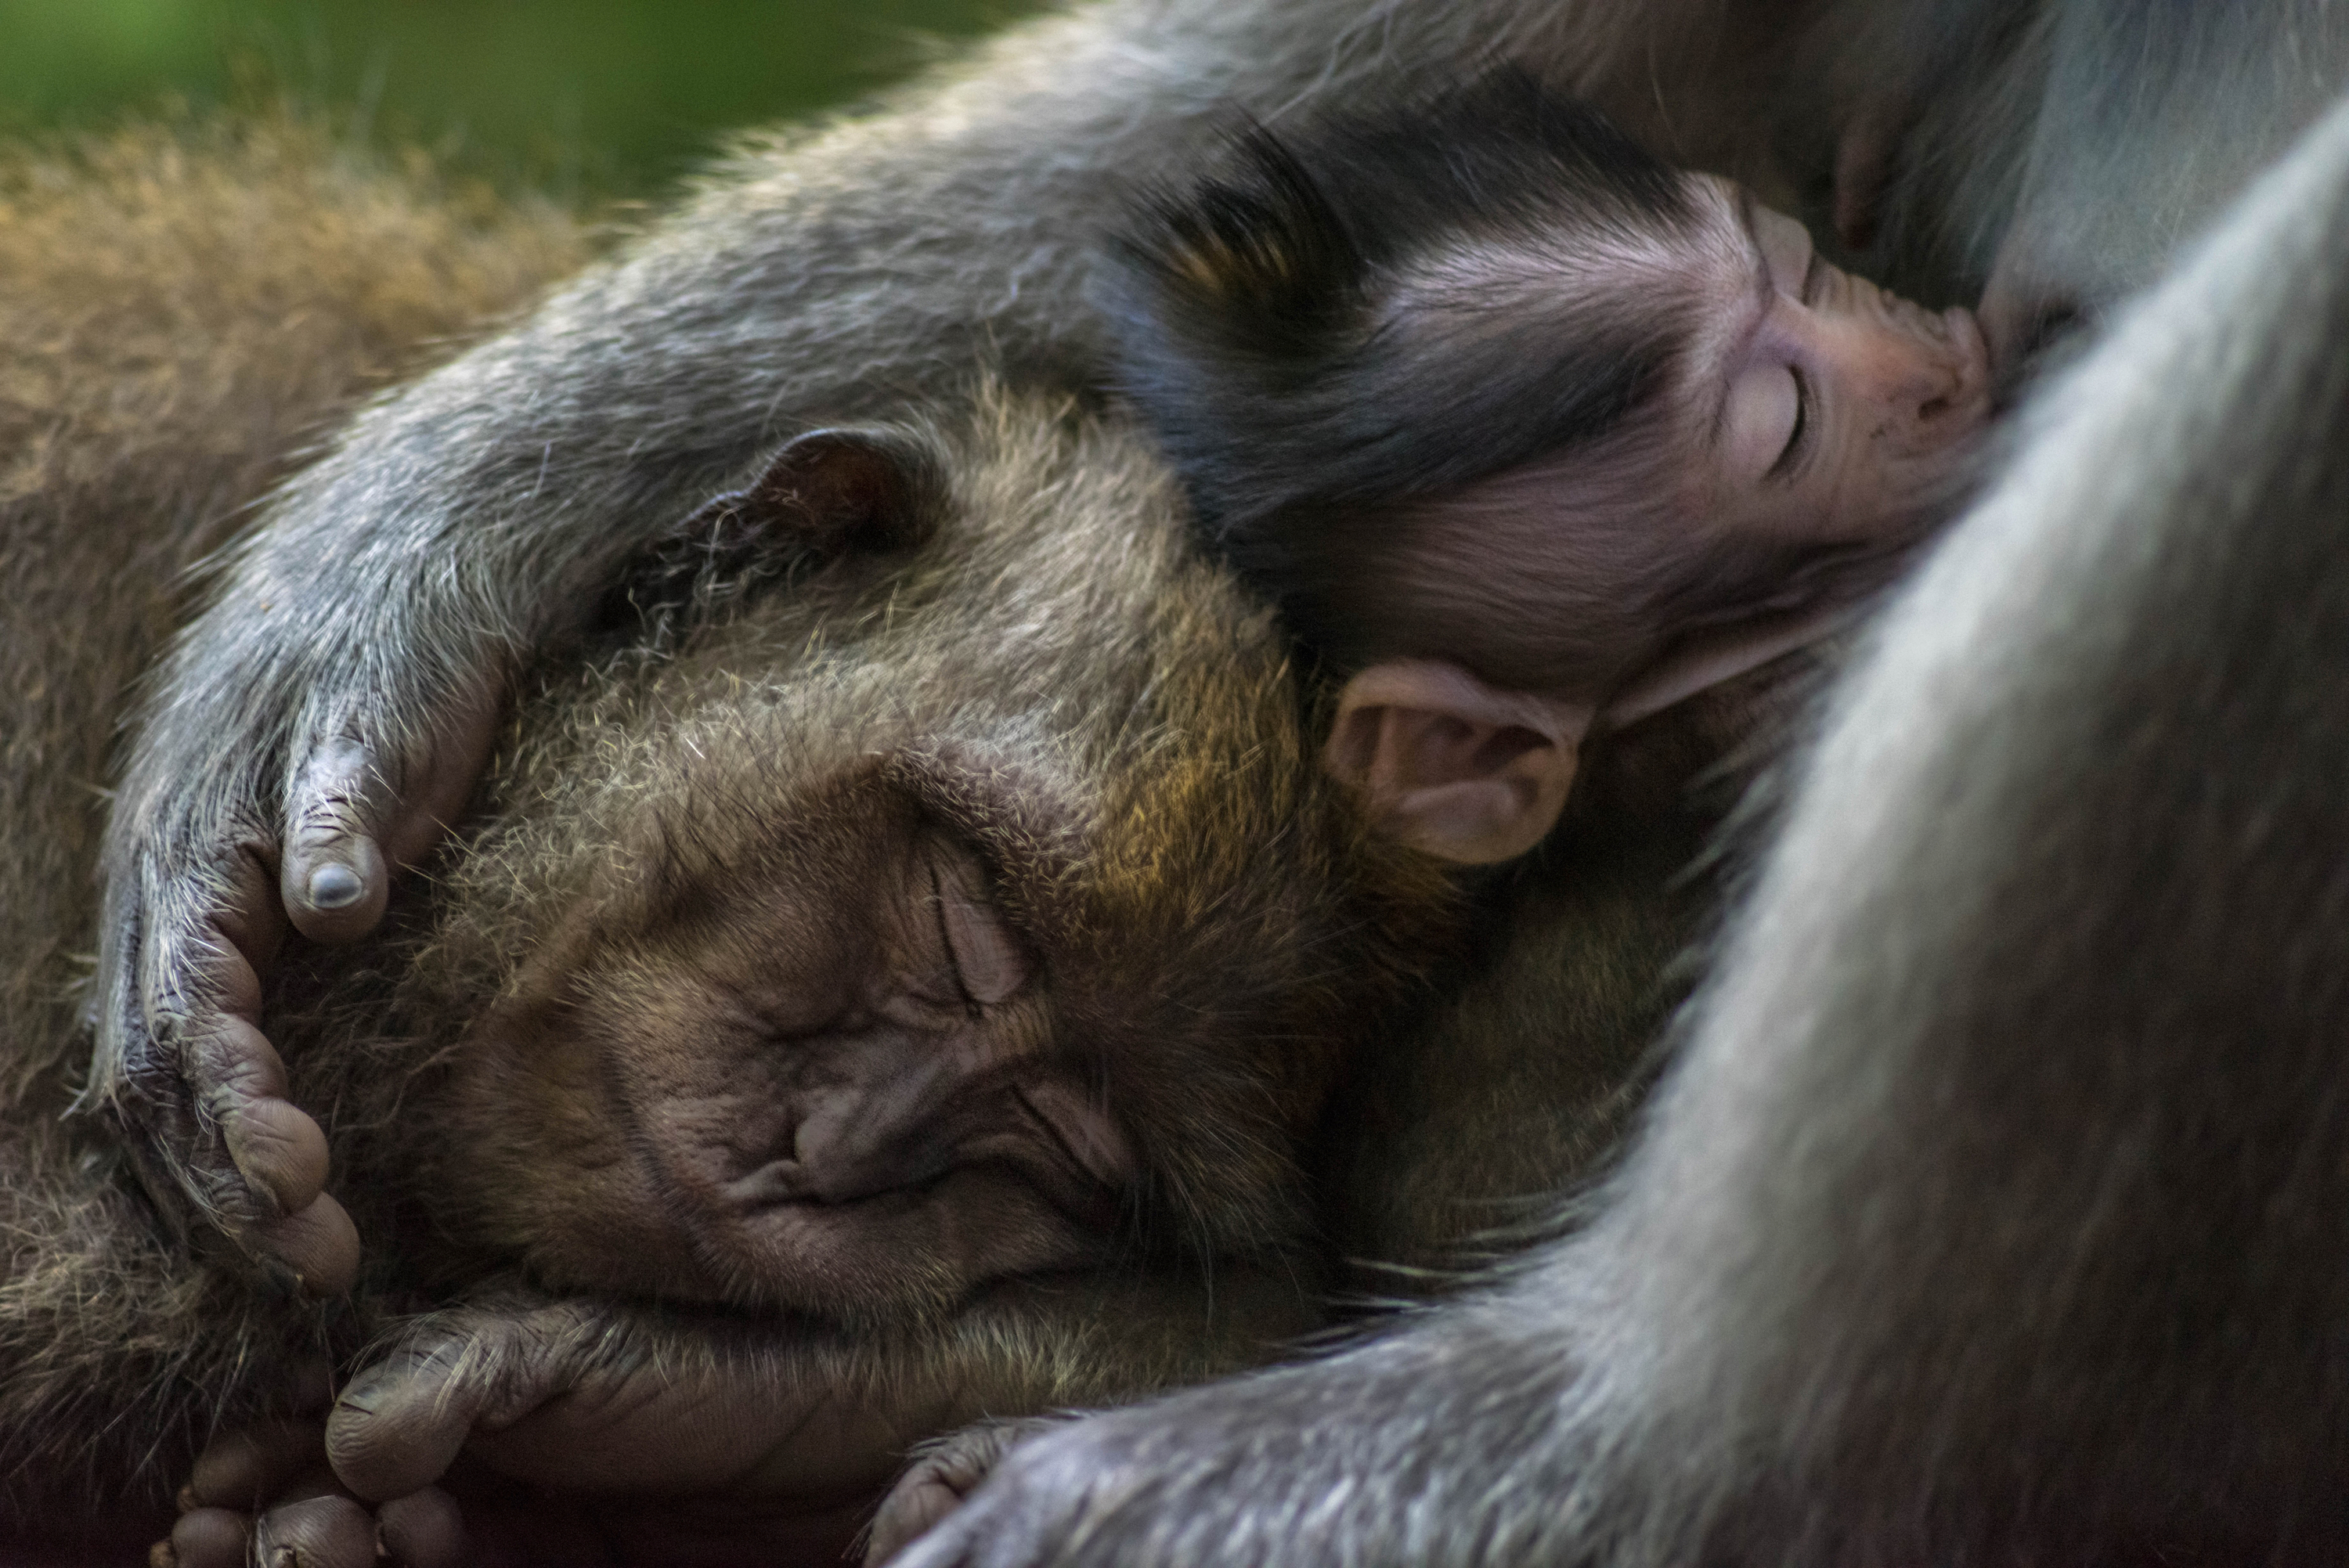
[917, 1247]
[848, 1200]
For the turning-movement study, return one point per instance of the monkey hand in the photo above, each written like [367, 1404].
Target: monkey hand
[1144, 1486]
[1268, 1467]
[564, 1430]
[266, 1493]
[941, 1473]
[202, 886]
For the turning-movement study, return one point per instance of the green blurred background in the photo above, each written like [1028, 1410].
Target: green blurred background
[596, 99]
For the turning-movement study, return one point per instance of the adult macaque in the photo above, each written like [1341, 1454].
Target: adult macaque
[1532, 435]
[1966, 1230]
[866, 1007]
[1986, 1216]
[923, 992]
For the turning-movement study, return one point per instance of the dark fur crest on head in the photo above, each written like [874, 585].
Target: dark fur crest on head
[1262, 325]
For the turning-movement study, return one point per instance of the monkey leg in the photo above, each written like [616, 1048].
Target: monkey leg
[1992, 1210]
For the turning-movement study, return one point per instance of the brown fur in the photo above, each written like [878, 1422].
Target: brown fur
[1053, 673]
[181, 309]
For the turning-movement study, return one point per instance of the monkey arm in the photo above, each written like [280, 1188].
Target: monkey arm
[625, 1416]
[1271, 1468]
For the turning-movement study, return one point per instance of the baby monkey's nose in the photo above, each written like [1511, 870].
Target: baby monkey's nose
[1927, 374]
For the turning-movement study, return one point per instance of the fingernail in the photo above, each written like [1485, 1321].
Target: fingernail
[364, 1397]
[336, 887]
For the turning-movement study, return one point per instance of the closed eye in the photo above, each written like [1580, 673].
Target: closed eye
[989, 963]
[1802, 422]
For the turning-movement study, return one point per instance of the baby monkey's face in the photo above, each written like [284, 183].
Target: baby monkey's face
[1836, 410]
[1819, 428]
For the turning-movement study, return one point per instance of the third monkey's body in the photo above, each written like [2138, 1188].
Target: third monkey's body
[1979, 1219]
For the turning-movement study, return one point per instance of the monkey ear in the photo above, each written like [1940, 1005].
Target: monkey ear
[827, 494]
[832, 492]
[1449, 765]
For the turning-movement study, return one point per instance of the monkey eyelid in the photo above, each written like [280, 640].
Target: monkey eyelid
[939, 893]
[989, 961]
[1787, 458]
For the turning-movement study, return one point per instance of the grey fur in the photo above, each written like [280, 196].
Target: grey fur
[1989, 1213]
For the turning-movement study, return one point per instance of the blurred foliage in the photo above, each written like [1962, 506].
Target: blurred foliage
[592, 98]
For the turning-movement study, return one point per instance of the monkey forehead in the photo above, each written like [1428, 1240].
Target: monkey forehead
[1734, 285]
[1109, 702]
[1598, 278]
[1585, 271]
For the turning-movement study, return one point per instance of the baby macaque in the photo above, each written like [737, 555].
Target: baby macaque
[1529, 433]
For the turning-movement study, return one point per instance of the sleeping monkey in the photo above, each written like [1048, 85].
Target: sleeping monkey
[1529, 434]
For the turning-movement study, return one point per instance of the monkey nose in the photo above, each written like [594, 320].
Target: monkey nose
[1930, 375]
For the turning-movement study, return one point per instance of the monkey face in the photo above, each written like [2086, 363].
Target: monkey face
[1839, 410]
[828, 1074]
[966, 909]
[1821, 426]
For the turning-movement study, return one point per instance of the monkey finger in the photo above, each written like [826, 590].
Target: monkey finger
[178, 1033]
[316, 1533]
[914, 1506]
[278, 1149]
[248, 1466]
[318, 1247]
[331, 874]
[942, 1473]
[390, 1436]
[357, 812]
[424, 1530]
[397, 1426]
[204, 1538]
